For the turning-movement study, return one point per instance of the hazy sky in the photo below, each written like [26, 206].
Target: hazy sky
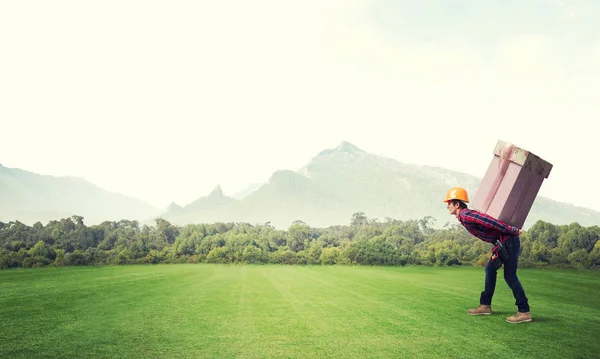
[163, 100]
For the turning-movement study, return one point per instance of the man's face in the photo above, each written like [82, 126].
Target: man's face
[453, 208]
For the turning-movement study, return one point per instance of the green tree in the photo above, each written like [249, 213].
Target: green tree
[218, 255]
[298, 237]
[359, 219]
[330, 256]
[253, 255]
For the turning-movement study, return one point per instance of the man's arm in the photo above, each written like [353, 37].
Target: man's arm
[491, 223]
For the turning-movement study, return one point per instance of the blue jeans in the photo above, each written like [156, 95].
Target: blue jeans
[513, 246]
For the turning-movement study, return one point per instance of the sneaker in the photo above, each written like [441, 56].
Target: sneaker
[481, 310]
[519, 318]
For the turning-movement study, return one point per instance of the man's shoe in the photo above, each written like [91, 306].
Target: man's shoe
[519, 318]
[481, 310]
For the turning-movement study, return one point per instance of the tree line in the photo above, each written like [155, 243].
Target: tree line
[364, 241]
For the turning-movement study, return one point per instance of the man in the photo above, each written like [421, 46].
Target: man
[491, 230]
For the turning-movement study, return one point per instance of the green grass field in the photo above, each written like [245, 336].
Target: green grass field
[221, 311]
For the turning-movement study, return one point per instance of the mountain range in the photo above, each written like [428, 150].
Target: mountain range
[327, 191]
[29, 197]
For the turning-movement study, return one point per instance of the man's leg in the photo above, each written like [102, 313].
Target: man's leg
[485, 301]
[510, 276]
[491, 273]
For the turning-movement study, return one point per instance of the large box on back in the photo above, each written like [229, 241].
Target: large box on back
[511, 184]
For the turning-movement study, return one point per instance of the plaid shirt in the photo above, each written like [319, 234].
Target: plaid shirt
[485, 227]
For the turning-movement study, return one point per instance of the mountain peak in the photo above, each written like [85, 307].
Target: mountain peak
[216, 192]
[345, 146]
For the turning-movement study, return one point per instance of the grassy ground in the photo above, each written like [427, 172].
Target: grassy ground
[220, 311]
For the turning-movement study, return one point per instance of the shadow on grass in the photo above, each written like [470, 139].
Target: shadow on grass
[535, 319]
[508, 313]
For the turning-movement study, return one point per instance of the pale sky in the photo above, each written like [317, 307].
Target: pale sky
[163, 100]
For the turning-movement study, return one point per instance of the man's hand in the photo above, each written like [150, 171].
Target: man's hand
[519, 231]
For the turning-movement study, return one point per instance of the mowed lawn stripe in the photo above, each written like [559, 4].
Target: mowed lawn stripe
[352, 321]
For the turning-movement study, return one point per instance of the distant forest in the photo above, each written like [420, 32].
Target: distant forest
[364, 241]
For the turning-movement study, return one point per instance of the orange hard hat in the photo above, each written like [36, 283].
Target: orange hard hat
[457, 193]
